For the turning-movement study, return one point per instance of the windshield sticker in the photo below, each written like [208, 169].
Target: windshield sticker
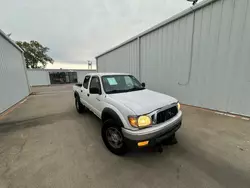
[112, 81]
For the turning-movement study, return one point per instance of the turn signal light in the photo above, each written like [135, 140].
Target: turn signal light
[133, 121]
[179, 106]
[144, 143]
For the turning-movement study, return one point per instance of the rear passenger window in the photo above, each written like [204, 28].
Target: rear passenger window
[86, 82]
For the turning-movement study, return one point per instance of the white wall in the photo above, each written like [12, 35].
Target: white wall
[201, 58]
[219, 69]
[13, 81]
[81, 74]
[38, 77]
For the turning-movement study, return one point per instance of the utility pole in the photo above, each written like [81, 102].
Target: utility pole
[89, 64]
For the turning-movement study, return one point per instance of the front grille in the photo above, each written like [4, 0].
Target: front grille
[166, 114]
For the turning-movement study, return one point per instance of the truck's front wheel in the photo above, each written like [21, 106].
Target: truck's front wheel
[113, 138]
[79, 106]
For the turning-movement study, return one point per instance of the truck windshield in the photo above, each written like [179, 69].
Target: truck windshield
[120, 84]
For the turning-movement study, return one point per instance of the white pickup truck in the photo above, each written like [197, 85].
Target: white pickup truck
[132, 116]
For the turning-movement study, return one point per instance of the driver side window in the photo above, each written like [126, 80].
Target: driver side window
[95, 83]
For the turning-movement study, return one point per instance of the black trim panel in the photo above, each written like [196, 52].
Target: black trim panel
[113, 115]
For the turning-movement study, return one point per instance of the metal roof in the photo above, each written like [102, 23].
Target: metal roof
[10, 41]
[173, 18]
[61, 70]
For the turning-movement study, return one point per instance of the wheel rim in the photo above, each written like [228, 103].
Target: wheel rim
[114, 137]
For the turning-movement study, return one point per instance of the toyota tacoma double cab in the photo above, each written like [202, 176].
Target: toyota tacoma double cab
[132, 116]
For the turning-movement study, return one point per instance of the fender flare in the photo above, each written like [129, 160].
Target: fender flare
[76, 94]
[108, 113]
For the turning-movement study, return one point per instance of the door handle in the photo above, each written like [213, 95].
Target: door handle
[97, 99]
[88, 95]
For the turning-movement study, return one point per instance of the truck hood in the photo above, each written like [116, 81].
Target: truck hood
[143, 101]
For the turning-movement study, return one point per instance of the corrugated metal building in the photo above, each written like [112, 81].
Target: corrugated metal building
[201, 56]
[39, 77]
[13, 79]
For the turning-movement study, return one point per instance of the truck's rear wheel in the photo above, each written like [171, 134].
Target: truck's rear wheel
[113, 138]
[79, 106]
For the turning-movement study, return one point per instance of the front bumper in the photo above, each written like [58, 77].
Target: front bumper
[154, 134]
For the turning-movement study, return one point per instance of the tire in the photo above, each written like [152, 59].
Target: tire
[79, 106]
[114, 142]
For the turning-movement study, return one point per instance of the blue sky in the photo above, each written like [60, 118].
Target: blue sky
[78, 30]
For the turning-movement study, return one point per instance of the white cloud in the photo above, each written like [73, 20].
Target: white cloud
[78, 30]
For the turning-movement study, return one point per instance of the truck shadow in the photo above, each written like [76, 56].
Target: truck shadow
[10, 126]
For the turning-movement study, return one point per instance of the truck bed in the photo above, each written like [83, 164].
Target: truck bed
[78, 85]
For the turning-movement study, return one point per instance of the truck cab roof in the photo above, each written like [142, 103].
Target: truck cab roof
[106, 73]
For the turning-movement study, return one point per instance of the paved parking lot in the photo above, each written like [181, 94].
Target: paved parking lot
[44, 142]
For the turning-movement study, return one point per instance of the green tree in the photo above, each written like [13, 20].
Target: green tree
[35, 54]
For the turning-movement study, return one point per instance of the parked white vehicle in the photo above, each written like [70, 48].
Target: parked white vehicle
[132, 116]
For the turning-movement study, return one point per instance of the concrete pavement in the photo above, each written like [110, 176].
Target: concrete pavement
[46, 143]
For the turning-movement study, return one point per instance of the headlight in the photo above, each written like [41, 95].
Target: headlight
[140, 121]
[144, 121]
[178, 106]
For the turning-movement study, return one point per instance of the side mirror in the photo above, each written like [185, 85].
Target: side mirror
[143, 84]
[94, 90]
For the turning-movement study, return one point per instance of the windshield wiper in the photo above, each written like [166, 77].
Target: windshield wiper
[115, 91]
[135, 89]
[125, 90]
